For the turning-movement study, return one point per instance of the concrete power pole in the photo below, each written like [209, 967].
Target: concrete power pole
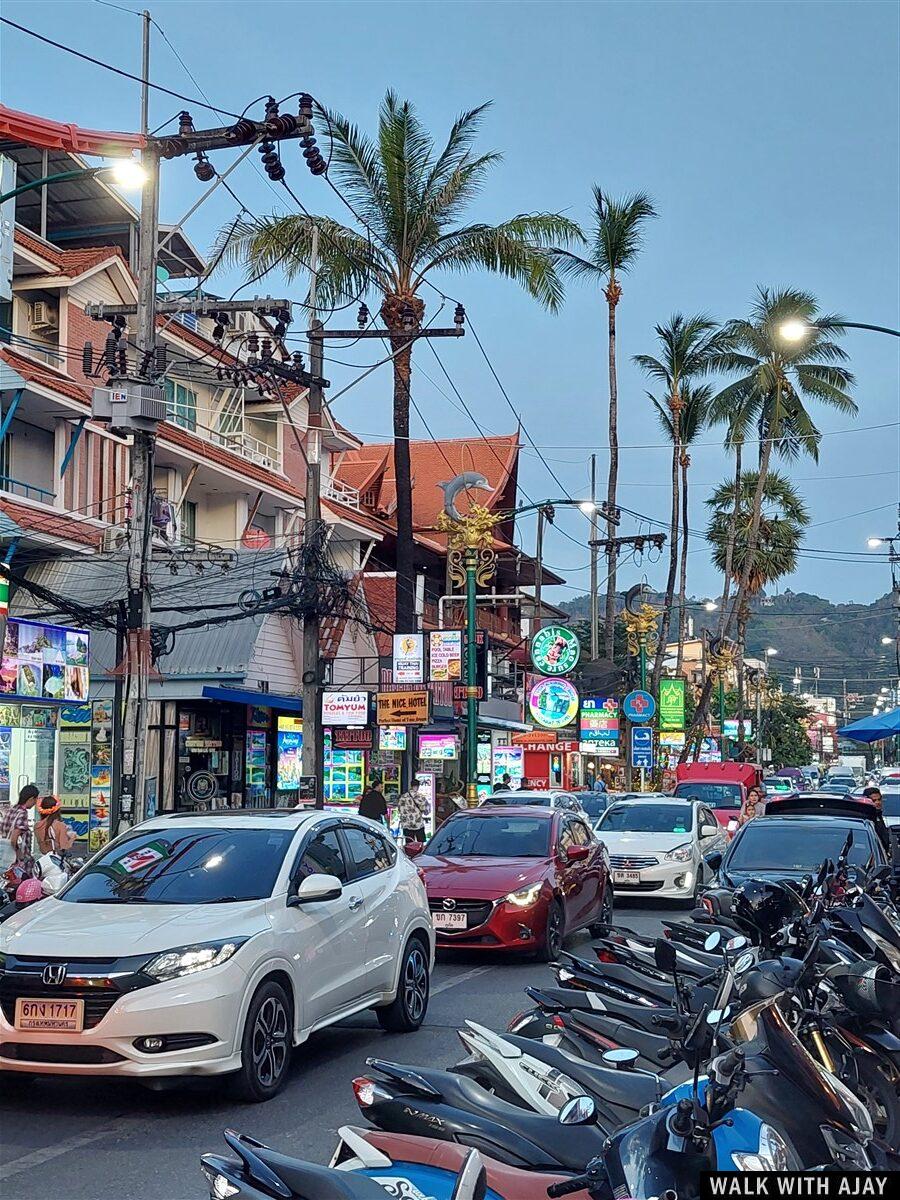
[595, 598]
[313, 748]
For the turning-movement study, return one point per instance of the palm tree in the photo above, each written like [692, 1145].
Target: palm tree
[783, 521]
[692, 421]
[776, 380]
[615, 240]
[688, 348]
[409, 198]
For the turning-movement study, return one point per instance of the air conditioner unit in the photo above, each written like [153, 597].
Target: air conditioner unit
[44, 316]
[113, 539]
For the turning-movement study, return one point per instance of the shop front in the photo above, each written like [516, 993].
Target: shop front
[549, 761]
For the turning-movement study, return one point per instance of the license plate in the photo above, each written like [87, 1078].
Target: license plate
[626, 877]
[50, 1016]
[449, 921]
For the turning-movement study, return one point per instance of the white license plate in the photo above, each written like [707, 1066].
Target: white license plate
[449, 921]
[50, 1016]
[626, 877]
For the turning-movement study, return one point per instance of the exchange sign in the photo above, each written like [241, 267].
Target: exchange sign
[555, 650]
[553, 703]
[671, 704]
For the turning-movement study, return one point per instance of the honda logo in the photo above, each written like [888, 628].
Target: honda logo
[54, 974]
[449, 904]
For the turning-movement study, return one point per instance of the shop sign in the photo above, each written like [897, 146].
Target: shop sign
[409, 658]
[642, 747]
[599, 725]
[555, 650]
[547, 747]
[402, 708]
[731, 728]
[306, 787]
[445, 655]
[553, 703]
[671, 704]
[438, 746]
[352, 739]
[258, 717]
[345, 708]
[509, 760]
[391, 738]
[461, 693]
[201, 787]
[45, 662]
[289, 762]
[639, 706]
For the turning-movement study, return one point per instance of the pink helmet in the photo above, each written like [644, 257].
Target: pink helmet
[29, 890]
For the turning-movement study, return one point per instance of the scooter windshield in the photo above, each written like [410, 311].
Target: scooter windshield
[765, 1023]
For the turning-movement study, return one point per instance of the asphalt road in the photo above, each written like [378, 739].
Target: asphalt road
[87, 1140]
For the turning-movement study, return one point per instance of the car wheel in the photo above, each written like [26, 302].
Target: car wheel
[553, 933]
[601, 928]
[406, 1012]
[266, 1045]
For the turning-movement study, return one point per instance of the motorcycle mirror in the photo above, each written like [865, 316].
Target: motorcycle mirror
[471, 1182]
[715, 1015]
[580, 1111]
[713, 941]
[621, 1058]
[736, 943]
[665, 955]
[743, 964]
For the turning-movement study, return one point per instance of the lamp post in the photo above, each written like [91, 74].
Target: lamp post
[127, 173]
[796, 330]
[721, 658]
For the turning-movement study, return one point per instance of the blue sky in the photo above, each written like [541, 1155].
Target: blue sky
[767, 134]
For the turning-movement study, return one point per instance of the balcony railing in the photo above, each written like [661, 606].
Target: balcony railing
[245, 446]
[341, 493]
[29, 490]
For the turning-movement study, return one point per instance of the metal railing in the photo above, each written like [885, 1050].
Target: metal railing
[341, 493]
[18, 487]
[245, 446]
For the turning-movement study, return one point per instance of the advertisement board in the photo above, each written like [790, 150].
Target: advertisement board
[47, 662]
[402, 708]
[392, 738]
[509, 760]
[671, 704]
[409, 658]
[670, 746]
[289, 767]
[345, 708]
[442, 746]
[555, 650]
[731, 728]
[445, 655]
[599, 725]
[553, 703]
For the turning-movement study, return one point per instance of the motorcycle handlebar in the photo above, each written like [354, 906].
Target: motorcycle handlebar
[577, 1183]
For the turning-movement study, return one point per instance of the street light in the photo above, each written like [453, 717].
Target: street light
[126, 172]
[796, 329]
[887, 641]
[770, 651]
[874, 542]
[588, 507]
[710, 605]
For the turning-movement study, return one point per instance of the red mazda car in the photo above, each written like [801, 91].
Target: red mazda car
[510, 878]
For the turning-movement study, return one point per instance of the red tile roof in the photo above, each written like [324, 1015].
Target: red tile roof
[45, 376]
[67, 262]
[432, 463]
[56, 525]
[380, 592]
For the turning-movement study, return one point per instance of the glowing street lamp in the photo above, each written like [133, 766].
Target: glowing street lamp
[126, 172]
[887, 641]
[795, 329]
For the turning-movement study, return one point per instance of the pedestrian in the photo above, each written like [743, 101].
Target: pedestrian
[15, 833]
[751, 807]
[372, 803]
[503, 785]
[599, 785]
[875, 798]
[52, 834]
[413, 807]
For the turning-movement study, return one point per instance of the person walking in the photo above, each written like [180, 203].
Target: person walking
[372, 804]
[752, 806]
[15, 832]
[598, 786]
[503, 785]
[52, 834]
[413, 807]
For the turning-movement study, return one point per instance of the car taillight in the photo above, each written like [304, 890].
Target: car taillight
[364, 1090]
[706, 903]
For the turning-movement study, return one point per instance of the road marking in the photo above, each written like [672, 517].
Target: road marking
[37, 1158]
[466, 975]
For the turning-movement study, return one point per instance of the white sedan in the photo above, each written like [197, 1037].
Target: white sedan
[657, 846]
[213, 944]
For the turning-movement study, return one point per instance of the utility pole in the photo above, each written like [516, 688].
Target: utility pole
[595, 598]
[539, 568]
[313, 747]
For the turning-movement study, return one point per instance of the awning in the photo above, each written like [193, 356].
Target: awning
[486, 722]
[873, 729]
[257, 699]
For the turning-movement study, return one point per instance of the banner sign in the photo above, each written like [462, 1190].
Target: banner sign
[599, 725]
[731, 728]
[639, 706]
[345, 708]
[438, 746]
[642, 747]
[671, 704]
[352, 739]
[402, 708]
[409, 658]
[445, 655]
[553, 703]
[555, 650]
[392, 738]
[289, 753]
[45, 662]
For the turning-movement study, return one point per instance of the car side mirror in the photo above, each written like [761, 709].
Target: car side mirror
[414, 848]
[708, 831]
[580, 1111]
[577, 853]
[713, 860]
[316, 888]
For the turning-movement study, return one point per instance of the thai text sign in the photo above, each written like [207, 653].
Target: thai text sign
[671, 704]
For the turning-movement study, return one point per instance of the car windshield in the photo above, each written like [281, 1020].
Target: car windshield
[540, 798]
[763, 846]
[495, 837]
[891, 802]
[647, 818]
[594, 803]
[716, 795]
[183, 865]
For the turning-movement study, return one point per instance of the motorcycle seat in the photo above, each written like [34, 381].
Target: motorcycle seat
[625, 1089]
[308, 1181]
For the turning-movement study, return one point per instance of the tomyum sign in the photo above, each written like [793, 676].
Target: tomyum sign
[345, 708]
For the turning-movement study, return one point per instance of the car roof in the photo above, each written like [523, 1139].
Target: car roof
[807, 819]
[494, 810]
[238, 818]
[651, 799]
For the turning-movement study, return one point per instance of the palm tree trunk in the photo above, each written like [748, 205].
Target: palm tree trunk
[682, 584]
[613, 291]
[666, 623]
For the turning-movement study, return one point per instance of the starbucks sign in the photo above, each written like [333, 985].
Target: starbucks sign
[555, 650]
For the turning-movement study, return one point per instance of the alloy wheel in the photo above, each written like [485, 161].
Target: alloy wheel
[554, 930]
[415, 984]
[270, 1041]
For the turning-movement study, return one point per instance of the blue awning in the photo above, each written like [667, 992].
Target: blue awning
[258, 699]
[873, 729]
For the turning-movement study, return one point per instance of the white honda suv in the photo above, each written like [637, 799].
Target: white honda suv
[212, 944]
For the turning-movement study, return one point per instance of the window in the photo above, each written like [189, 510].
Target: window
[719, 795]
[647, 818]
[369, 851]
[181, 403]
[567, 837]
[188, 517]
[769, 845]
[495, 836]
[323, 856]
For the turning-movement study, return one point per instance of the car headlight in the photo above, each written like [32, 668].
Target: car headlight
[891, 953]
[188, 960]
[525, 897]
[772, 1154]
[680, 854]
